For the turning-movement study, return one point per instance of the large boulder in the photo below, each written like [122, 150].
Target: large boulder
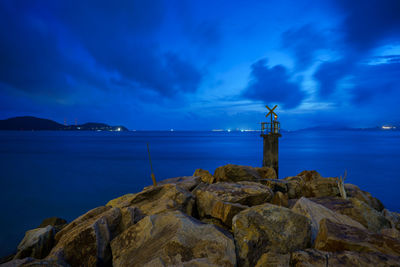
[236, 173]
[266, 172]
[393, 218]
[309, 257]
[338, 237]
[224, 200]
[37, 243]
[157, 199]
[269, 228]
[86, 240]
[205, 176]
[185, 182]
[173, 238]
[276, 185]
[392, 232]
[316, 212]
[357, 210]
[280, 199]
[356, 192]
[273, 259]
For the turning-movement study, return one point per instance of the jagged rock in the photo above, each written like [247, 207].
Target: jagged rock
[393, 218]
[317, 258]
[269, 228]
[273, 259]
[224, 200]
[172, 238]
[309, 176]
[392, 232]
[266, 172]
[309, 257]
[157, 199]
[86, 240]
[356, 192]
[185, 182]
[37, 243]
[236, 173]
[357, 210]
[338, 237]
[129, 216]
[316, 212]
[280, 199]
[275, 184]
[296, 187]
[205, 176]
[324, 187]
[56, 222]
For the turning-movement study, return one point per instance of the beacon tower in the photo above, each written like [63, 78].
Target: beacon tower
[270, 132]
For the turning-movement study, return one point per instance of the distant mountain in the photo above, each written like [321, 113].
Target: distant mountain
[29, 123]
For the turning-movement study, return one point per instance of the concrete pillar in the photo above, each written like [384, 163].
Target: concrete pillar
[270, 153]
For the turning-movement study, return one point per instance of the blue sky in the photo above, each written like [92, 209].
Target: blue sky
[200, 65]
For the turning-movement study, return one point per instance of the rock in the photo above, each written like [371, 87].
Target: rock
[17, 262]
[296, 187]
[129, 217]
[324, 187]
[357, 210]
[53, 221]
[37, 243]
[224, 200]
[236, 173]
[173, 238]
[269, 228]
[317, 258]
[353, 258]
[310, 184]
[275, 184]
[338, 237]
[273, 259]
[157, 199]
[316, 212]
[391, 232]
[356, 192]
[86, 240]
[205, 176]
[185, 182]
[309, 257]
[46, 262]
[309, 176]
[393, 218]
[266, 172]
[280, 199]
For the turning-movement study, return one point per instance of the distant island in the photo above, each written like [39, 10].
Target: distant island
[29, 123]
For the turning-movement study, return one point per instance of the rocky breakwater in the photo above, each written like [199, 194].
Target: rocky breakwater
[239, 216]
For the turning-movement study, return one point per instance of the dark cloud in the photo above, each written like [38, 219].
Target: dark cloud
[55, 47]
[368, 23]
[304, 43]
[273, 85]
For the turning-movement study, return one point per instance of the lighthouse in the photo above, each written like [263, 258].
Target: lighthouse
[270, 132]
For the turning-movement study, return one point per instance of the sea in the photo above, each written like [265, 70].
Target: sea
[67, 173]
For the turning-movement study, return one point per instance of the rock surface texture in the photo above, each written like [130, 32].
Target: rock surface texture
[173, 238]
[240, 216]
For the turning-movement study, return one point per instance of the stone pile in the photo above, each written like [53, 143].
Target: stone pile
[239, 216]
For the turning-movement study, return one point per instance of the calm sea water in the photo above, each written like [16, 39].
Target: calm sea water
[65, 174]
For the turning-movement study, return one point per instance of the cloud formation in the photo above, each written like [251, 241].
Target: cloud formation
[272, 85]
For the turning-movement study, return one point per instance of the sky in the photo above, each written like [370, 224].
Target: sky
[201, 65]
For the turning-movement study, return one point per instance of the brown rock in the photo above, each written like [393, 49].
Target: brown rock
[86, 240]
[236, 173]
[157, 199]
[57, 223]
[274, 260]
[391, 232]
[224, 200]
[280, 199]
[324, 187]
[17, 262]
[356, 192]
[296, 187]
[309, 176]
[357, 210]
[269, 228]
[173, 238]
[185, 182]
[205, 176]
[129, 216]
[37, 243]
[309, 257]
[275, 185]
[338, 237]
[316, 212]
[393, 218]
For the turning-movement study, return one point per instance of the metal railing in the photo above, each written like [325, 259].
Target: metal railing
[270, 128]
